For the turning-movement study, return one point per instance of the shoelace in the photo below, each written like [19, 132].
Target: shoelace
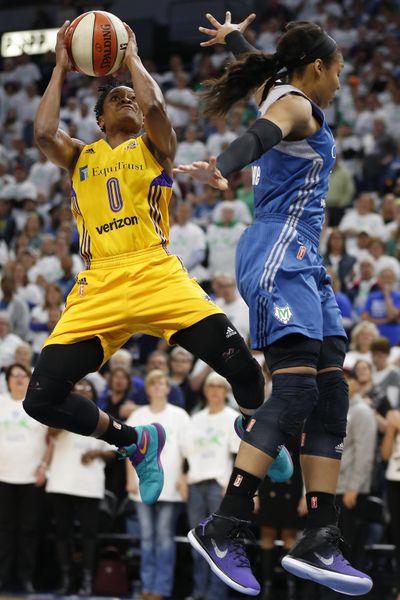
[336, 540]
[237, 536]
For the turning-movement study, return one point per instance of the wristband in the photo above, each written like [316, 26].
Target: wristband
[237, 43]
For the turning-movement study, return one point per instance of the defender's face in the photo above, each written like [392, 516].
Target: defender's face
[120, 107]
[330, 82]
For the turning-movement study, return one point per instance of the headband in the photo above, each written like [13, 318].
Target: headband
[323, 47]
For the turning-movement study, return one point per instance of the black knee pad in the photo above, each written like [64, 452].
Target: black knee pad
[333, 351]
[282, 416]
[333, 404]
[247, 383]
[51, 402]
[292, 350]
[49, 398]
[240, 368]
[333, 401]
[216, 341]
[325, 428]
[43, 393]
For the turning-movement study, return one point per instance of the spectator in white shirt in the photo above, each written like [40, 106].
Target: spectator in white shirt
[22, 356]
[222, 239]
[210, 457]
[26, 70]
[270, 31]
[361, 218]
[62, 249]
[376, 248]
[180, 99]
[31, 293]
[87, 129]
[233, 304]
[76, 483]
[8, 341]
[361, 339]
[349, 146]
[48, 267]
[364, 283]
[345, 33]
[189, 150]
[158, 521]
[188, 241]
[369, 108]
[31, 103]
[241, 212]
[219, 57]
[24, 456]
[44, 175]
[167, 79]
[222, 137]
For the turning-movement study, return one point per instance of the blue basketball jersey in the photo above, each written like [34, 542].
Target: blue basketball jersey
[291, 179]
[279, 271]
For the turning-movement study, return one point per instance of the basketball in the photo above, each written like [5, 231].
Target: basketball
[96, 43]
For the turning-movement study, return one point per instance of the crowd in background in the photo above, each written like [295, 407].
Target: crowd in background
[39, 261]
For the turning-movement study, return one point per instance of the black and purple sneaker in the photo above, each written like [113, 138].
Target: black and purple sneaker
[145, 457]
[316, 556]
[221, 541]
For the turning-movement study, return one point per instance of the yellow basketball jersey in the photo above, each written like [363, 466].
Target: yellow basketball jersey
[119, 199]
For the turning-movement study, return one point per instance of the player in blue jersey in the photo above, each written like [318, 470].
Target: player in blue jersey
[294, 316]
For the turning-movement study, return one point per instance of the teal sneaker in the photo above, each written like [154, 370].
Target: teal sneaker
[282, 468]
[145, 458]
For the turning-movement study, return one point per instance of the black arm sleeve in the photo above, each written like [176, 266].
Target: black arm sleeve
[237, 43]
[248, 147]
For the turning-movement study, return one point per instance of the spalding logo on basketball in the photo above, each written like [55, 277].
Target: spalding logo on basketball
[96, 42]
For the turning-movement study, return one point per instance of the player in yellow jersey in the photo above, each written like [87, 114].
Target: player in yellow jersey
[121, 189]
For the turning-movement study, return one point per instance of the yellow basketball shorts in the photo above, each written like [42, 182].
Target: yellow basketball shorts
[147, 292]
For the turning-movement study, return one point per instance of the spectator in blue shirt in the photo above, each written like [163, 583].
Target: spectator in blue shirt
[383, 307]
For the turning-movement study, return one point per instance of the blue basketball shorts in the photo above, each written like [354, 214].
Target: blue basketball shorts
[281, 277]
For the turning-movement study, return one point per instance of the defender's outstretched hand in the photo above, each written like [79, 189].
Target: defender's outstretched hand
[221, 30]
[205, 172]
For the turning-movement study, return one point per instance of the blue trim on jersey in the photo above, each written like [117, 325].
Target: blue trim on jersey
[292, 179]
